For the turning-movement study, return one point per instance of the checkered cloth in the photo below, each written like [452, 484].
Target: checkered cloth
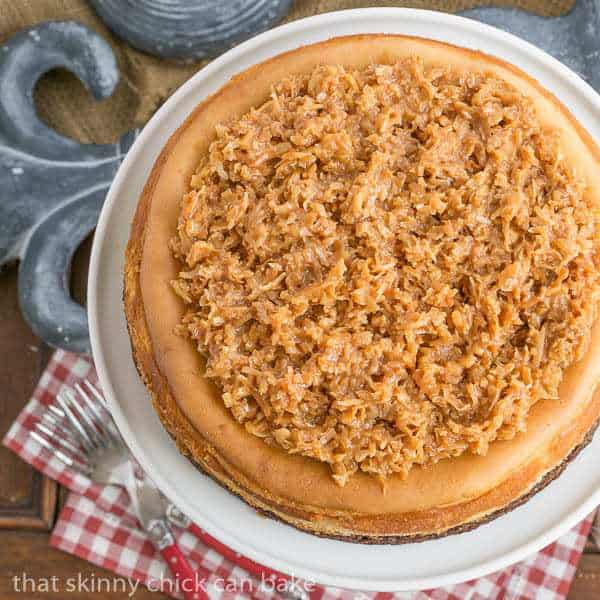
[98, 525]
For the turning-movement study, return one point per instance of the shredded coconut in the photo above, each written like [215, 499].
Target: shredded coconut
[387, 267]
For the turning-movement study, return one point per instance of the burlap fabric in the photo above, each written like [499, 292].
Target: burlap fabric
[147, 81]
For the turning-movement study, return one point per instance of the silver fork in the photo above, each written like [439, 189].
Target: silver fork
[83, 436]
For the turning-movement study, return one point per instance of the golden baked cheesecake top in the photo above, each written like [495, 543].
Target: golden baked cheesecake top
[386, 266]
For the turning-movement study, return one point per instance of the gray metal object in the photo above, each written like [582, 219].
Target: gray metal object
[52, 187]
[45, 269]
[573, 38]
[187, 29]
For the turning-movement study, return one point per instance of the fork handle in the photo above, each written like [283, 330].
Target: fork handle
[188, 580]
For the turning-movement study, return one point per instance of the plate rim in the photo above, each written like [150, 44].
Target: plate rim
[169, 110]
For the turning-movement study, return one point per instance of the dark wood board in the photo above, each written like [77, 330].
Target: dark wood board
[27, 500]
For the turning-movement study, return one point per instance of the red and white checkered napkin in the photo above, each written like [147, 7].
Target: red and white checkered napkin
[97, 524]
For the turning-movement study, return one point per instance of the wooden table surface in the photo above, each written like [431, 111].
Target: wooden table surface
[29, 502]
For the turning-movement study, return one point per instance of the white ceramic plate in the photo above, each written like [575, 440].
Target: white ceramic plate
[380, 568]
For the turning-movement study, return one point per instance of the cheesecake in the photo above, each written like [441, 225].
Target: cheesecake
[362, 285]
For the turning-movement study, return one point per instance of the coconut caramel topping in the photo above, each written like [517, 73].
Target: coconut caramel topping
[387, 267]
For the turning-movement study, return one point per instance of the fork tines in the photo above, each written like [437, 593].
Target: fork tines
[77, 427]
